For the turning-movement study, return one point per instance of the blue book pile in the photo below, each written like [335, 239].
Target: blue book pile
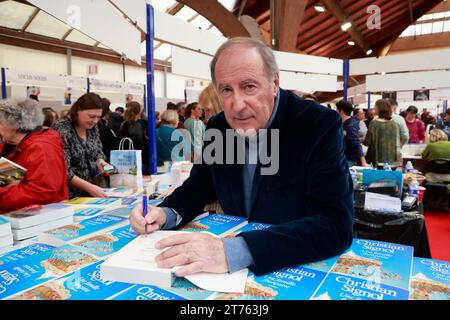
[430, 280]
[73, 231]
[369, 270]
[107, 243]
[218, 224]
[17, 276]
[83, 284]
[24, 252]
[147, 292]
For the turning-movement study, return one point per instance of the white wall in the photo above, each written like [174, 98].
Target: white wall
[54, 63]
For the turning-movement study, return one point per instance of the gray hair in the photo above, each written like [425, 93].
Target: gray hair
[23, 115]
[270, 64]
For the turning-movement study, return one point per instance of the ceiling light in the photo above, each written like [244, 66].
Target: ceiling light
[369, 52]
[351, 43]
[345, 26]
[383, 73]
[320, 8]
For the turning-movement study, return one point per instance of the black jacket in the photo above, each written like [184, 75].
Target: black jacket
[309, 201]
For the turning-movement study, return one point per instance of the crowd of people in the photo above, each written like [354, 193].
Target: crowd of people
[384, 132]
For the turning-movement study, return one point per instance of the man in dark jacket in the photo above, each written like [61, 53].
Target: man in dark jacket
[353, 149]
[304, 191]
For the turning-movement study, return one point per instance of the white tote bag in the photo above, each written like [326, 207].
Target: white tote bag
[128, 164]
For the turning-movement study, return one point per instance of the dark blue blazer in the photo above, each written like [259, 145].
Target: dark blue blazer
[309, 200]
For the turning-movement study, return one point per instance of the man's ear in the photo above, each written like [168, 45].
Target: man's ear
[276, 83]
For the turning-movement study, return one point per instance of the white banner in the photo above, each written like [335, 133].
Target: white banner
[405, 96]
[76, 82]
[97, 85]
[304, 63]
[408, 81]
[440, 94]
[134, 88]
[34, 78]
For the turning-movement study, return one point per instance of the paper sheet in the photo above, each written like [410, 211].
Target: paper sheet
[221, 282]
[381, 202]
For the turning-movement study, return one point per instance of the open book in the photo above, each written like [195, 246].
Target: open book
[10, 172]
[135, 263]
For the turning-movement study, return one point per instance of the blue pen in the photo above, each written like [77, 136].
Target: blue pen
[144, 207]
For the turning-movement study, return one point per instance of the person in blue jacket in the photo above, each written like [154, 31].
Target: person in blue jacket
[304, 189]
[353, 148]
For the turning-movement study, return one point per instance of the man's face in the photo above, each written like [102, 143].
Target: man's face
[447, 117]
[370, 114]
[245, 92]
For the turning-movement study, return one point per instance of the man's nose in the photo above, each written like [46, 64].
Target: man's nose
[238, 102]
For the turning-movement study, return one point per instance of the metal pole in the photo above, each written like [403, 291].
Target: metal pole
[185, 96]
[3, 84]
[368, 99]
[346, 72]
[445, 106]
[150, 89]
[88, 88]
[145, 100]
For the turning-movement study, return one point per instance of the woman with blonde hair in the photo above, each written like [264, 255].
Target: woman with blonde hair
[164, 141]
[209, 100]
[438, 147]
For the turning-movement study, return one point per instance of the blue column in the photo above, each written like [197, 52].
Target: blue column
[88, 85]
[145, 99]
[445, 106]
[3, 84]
[345, 74]
[368, 99]
[185, 96]
[150, 90]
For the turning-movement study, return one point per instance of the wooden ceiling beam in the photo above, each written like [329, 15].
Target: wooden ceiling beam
[428, 41]
[286, 17]
[222, 19]
[342, 16]
[30, 19]
[175, 8]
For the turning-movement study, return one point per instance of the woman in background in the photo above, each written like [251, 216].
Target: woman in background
[82, 146]
[38, 150]
[195, 127]
[135, 128]
[164, 141]
[210, 103]
[382, 135]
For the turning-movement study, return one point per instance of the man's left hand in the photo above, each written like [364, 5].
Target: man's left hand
[194, 252]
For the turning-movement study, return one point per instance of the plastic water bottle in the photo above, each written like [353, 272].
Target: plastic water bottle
[409, 167]
[386, 166]
[414, 188]
[354, 175]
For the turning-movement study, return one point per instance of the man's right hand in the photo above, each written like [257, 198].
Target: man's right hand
[155, 219]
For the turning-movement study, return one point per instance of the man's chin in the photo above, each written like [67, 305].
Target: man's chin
[246, 132]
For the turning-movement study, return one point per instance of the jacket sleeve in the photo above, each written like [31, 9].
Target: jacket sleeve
[324, 230]
[64, 133]
[43, 182]
[190, 199]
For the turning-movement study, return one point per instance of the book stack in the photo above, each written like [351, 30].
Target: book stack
[28, 222]
[105, 203]
[369, 270]
[217, 224]
[70, 232]
[6, 237]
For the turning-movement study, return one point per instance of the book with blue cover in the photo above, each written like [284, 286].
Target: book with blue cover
[24, 252]
[85, 212]
[61, 235]
[104, 244]
[344, 287]
[218, 224]
[123, 211]
[17, 276]
[110, 203]
[377, 261]
[186, 289]
[250, 226]
[295, 283]
[430, 280]
[147, 292]
[82, 284]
